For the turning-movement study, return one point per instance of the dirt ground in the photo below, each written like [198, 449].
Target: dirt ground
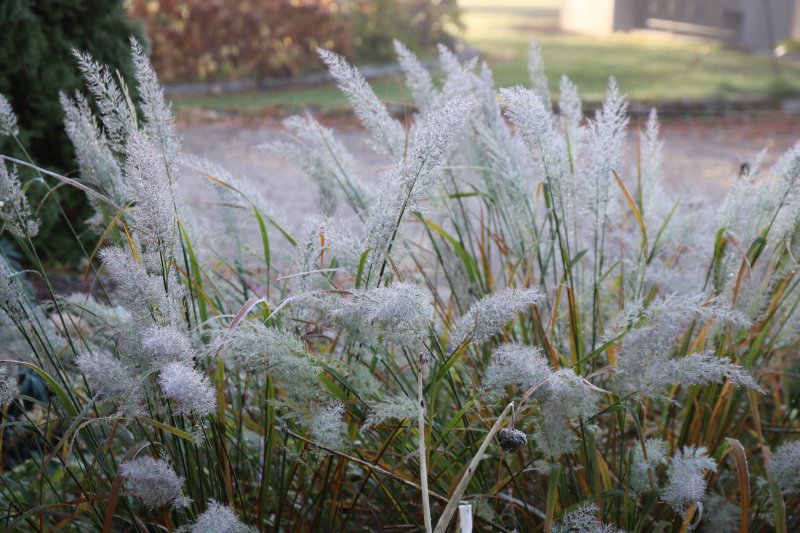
[702, 155]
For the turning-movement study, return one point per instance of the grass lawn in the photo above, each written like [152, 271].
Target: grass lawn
[649, 69]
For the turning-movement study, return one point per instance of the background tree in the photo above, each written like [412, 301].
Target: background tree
[36, 63]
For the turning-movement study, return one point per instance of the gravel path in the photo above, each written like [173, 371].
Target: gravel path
[702, 155]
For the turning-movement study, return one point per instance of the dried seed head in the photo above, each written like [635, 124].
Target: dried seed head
[511, 439]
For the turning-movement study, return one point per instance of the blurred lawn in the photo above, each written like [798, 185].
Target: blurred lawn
[649, 69]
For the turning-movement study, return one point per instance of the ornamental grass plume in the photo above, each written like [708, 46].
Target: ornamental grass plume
[8, 387]
[188, 388]
[14, 209]
[784, 466]
[387, 132]
[686, 484]
[8, 119]
[401, 312]
[110, 378]
[219, 518]
[515, 364]
[154, 481]
[93, 153]
[488, 316]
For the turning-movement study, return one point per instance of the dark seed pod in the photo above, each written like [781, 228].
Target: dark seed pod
[511, 440]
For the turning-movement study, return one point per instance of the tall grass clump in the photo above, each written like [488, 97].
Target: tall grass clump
[518, 323]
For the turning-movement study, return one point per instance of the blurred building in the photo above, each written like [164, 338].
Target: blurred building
[748, 24]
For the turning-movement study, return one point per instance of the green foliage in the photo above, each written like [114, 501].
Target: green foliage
[422, 23]
[36, 63]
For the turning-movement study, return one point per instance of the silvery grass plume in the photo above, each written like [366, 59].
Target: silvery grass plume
[14, 209]
[655, 204]
[784, 466]
[117, 112]
[489, 315]
[96, 161]
[326, 425]
[750, 204]
[13, 297]
[560, 395]
[316, 151]
[565, 396]
[418, 79]
[158, 119]
[459, 78]
[154, 481]
[148, 179]
[111, 380]
[282, 354]
[645, 366]
[604, 152]
[583, 520]
[189, 389]
[537, 75]
[387, 133]
[99, 316]
[536, 126]
[317, 242]
[643, 469]
[8, 387]
[141, 293]
[515, 364]
[686, 483]
[167, 344]
[786, 189]
[8, 119]
[569, 109]
[414, 176]
[219, 518]
[401, 313]
[396, 407]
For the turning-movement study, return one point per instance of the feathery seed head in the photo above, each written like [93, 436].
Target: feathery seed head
[784, 467]
[397, 407]
[189, 388]
[167, 344]
[418, 79]
[154, 481]
[537, 75]
[116, 112]
[489, 315]
[8, 387]
[644, 470]
[583, 520]
[402, 312]
[159, 123]
[387, 132]
[515, 364]
[219, 518]
[8, 119]
[96, 161]
[110, 379]
[147, 177]
[687, 484]
[13, 299]
[14, 209]
[327, 427]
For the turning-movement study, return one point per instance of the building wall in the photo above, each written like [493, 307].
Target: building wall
[750, 24]
[590, 17]
[768, 21]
